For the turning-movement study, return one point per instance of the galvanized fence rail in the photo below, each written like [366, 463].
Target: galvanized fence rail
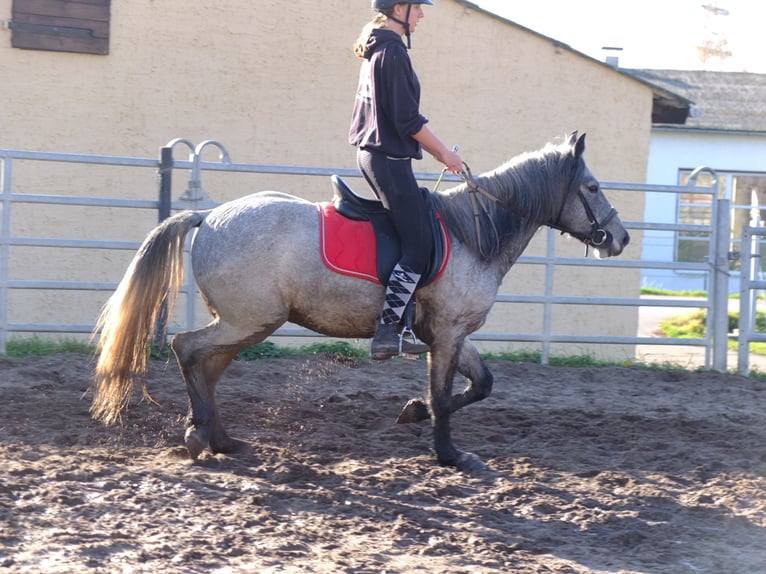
[194, 197]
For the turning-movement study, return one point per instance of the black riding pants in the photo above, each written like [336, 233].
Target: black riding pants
[394, 183]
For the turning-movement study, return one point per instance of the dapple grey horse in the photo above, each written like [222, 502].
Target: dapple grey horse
[257, 264]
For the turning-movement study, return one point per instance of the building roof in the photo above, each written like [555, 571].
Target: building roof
[721, 101]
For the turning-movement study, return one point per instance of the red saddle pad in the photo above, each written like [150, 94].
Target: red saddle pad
[348, 247]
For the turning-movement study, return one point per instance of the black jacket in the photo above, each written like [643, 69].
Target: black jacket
[387, 106]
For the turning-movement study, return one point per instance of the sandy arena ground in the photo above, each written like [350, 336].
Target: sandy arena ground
[591, 470]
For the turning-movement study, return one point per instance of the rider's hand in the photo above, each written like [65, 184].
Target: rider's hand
[436, 148]
[452, 161]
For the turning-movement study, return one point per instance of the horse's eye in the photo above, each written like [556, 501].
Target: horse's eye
[593, 187]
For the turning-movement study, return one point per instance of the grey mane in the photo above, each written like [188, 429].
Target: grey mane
[530, 188]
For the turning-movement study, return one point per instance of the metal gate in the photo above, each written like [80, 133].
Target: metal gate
[716, 267]
[750, 283]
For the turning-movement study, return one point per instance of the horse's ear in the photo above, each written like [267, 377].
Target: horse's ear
[579, 146]
[572, 138]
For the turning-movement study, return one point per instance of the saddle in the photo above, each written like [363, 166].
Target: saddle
[358, 237]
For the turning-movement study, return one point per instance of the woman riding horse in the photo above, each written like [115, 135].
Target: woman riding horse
[389, 132]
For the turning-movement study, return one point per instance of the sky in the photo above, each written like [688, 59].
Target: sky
[659, 34]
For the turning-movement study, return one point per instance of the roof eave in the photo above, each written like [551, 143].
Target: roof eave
[712, 131]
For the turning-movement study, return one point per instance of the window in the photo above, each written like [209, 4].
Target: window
[61, 25]
[695, 209]
[747, 195]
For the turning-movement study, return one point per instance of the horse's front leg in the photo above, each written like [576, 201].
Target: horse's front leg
[479, 386]
[441, 371]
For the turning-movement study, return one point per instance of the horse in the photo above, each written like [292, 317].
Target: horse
[257, 265]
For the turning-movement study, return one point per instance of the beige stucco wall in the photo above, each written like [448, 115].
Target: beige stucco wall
[274, 82]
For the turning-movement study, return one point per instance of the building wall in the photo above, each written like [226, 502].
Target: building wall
[675, 150]
[276, 87]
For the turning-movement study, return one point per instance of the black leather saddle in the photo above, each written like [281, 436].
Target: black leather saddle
[389, 249]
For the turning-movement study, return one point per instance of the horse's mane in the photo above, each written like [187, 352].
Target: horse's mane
[529, 191]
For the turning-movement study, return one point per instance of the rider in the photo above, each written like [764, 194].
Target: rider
[389, 132]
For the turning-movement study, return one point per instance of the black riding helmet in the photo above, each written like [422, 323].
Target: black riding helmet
[385, 5]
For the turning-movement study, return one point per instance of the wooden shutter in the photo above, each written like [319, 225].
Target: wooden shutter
[61, 25]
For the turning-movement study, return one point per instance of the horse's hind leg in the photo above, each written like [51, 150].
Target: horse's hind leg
[204, 426]
[202, 356]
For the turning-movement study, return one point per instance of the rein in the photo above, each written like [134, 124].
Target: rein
[473, 190]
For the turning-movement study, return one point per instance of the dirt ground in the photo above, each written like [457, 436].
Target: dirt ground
[591, 470]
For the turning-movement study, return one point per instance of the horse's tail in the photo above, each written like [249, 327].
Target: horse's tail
[128, 320]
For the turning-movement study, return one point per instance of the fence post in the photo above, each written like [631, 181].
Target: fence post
[5, 234]
[166, 186]
[745, 294]
[721, 285]
[166, 182]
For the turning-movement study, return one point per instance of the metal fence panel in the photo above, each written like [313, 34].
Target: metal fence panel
[194, 197]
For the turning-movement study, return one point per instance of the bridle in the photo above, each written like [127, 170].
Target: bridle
[598, 235]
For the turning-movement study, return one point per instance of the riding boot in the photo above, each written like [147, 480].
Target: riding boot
[389, 343]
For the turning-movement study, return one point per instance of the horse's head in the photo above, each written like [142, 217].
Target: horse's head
[585, 212]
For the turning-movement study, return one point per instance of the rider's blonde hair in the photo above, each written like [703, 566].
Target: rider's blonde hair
[379, 21]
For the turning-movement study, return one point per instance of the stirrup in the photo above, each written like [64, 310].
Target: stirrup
[408, 332]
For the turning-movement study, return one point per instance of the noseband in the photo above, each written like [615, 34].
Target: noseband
[598, 234]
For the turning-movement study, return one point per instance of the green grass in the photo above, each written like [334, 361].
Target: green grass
[687, 326]
[702, 294]
[268, 350]
[35, 346]
[692, 325]
[558, 361]
[668, 293]
[583, 361]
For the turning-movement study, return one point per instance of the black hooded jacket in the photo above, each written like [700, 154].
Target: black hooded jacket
[387, 106]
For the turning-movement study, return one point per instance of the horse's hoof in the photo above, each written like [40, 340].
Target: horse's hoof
[469, 462]
[464, 462]
[414, 411]
[196, 441]
[229, 446]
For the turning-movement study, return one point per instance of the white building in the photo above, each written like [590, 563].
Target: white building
[724, 129]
